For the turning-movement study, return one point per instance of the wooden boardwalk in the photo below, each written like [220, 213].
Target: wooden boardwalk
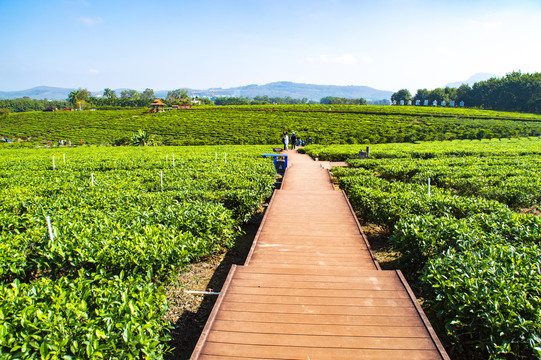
[311, 288]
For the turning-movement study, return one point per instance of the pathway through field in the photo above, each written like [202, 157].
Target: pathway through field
[311, 288]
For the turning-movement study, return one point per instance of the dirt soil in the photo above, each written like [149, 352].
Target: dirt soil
[378, 239]
[189, 312]
[533, 211]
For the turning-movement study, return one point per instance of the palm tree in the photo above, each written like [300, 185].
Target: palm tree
[142, 138]
[108, 93]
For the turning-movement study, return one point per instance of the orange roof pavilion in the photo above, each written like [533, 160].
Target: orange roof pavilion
[157, 106]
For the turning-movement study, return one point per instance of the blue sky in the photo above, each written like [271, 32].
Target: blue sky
[163, 45]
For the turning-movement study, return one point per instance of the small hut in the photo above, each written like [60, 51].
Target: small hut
[157, 106]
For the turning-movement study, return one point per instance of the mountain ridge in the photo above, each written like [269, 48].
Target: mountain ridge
[273, 89]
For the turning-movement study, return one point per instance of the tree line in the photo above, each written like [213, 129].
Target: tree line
[514, 92]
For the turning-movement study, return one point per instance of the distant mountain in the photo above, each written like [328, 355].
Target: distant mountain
[310, 91]
[38, 93]
[472, 80]
[275, 89]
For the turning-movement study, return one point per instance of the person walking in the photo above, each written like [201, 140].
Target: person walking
[293, 140]
[286, 141]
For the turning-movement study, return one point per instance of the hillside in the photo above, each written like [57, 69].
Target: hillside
[265, 125]
[275, 89]
[38, 93]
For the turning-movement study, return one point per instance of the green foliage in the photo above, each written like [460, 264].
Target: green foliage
[401, 95]
[220, 125]
[477, 262]
[230, 100]
[331, 100]
[142, 138]
[23, 105]
[87, 317]
[513, 92]
[69, 295]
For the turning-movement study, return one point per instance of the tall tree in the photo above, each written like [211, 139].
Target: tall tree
[148, 94]
[108, 93]
[130, 94]
[78, 98]
[422, 95]
[179, 96]
[402, 94]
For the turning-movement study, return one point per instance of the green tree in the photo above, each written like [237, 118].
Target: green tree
[148, 94]
[109, 94]
[402, 94]
[421, 95]
[178, 96]
[78, 98]
[463, 93]
[130, 94]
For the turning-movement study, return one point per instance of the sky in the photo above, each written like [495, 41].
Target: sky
[167, 44]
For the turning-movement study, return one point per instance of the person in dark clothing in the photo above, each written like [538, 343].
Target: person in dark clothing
[293, 140]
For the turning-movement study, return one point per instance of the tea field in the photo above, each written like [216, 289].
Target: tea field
[222, 125]
[123, 222]
[472, 242]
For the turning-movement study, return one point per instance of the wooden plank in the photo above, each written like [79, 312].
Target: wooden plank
[339, 249]
[319, 309]
[362, 283]
[319, 293]
[284, 318]
[301, 229]
[345, 342]
[254, 274]
[347, 271]
[314, 353]
[315, 300]
[322, 260]
[322, 329]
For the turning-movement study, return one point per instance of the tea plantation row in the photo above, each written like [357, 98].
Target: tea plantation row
[265, 125]
[471, 244]
[123, 221]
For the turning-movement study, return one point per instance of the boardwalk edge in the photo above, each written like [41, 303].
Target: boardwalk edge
[422, 314]
[215, 309]
[361, 230]
[256, 237]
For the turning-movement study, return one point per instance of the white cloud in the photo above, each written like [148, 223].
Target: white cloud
[91, 21]
[93, 71]
[347, 59]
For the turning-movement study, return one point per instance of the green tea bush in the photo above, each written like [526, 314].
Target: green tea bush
[90, 316]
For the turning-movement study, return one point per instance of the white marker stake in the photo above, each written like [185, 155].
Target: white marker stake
[215, 156]
[54, 167]
[225, 158]
[428, 186]
[161, 179]
[64, 157]
[49, 227]
[92, 178]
